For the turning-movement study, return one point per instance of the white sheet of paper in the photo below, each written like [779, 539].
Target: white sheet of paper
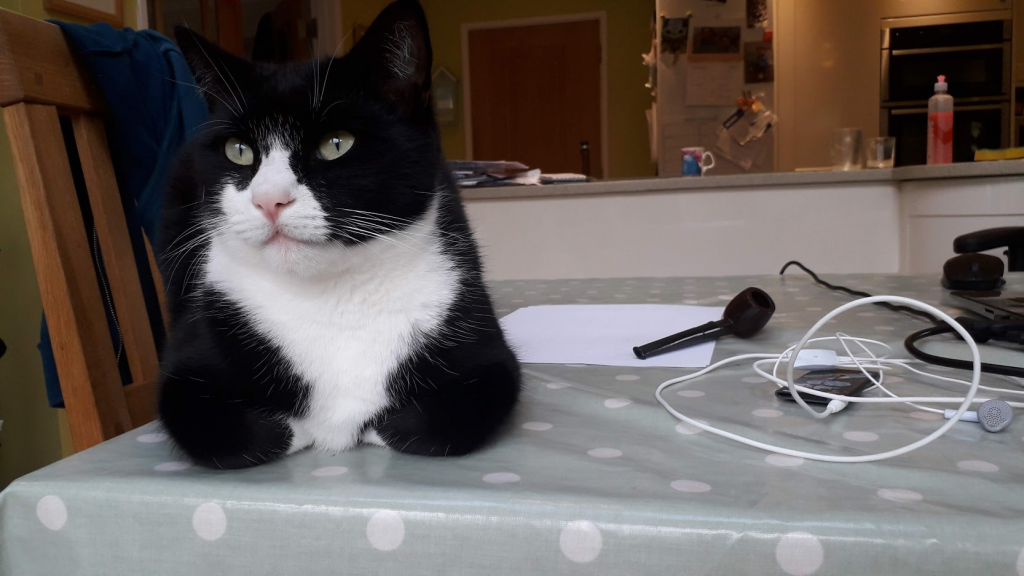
[713, 84]
[606, 334]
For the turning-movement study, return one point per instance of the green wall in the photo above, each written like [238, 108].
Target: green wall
[628, 37]
[31, 434]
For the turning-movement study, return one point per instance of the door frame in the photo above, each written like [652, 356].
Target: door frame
[467, 99]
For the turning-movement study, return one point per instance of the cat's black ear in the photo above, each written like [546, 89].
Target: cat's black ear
[396, 53]
[220, 75]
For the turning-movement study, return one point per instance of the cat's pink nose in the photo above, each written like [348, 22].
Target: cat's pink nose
[272, 203]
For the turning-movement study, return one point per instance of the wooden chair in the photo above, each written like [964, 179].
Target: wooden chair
[40, 81]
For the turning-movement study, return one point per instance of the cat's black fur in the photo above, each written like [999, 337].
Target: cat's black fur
[227, 389]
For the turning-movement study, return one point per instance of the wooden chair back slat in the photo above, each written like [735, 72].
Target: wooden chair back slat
[40, 81]
[70, 293]
[118, 259]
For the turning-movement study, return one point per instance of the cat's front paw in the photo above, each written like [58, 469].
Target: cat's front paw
[219, 432]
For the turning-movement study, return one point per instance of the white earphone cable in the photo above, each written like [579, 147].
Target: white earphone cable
[964, 402]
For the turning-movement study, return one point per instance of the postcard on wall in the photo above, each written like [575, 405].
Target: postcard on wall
[716, 44]
[758, 62]
[757, 13]
[713, 84]
[675, 35]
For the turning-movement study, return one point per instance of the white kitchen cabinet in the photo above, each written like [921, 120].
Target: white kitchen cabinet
[934, 212]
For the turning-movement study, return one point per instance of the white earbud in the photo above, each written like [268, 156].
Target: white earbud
[993, 415]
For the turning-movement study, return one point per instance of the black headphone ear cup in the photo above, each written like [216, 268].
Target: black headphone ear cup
[973, 272]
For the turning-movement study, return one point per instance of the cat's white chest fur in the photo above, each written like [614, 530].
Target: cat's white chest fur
[344, 334]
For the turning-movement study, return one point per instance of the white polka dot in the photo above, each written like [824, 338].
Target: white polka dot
[866, 314]
[627, 377]
[799, 554]
[580, 541]
[792, 289]
[899, 495]
[557, 385]
[52, 512]
[538, 426]
[754, 380]
[617, 402]
[690, 393]
[329, 471]
[893, 380]
[605, 453]
[725, 297]
[691, 302]
[209, 521]
[171, 466]
[783, 460]
[858, 436]
[690, 486]
[385, 530]
[689, 429]
[927, 416]
[977, 466]
[885, 328]
[152, 437]
[766, 413]
[502, 478]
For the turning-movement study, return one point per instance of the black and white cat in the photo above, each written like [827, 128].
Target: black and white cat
[324, 285]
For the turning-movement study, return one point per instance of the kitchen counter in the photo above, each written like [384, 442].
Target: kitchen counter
[782, 179]
[863, 221]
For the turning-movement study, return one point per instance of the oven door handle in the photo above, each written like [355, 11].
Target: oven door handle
[908, 111]
[944, 49]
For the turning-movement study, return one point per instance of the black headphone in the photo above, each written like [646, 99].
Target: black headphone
[972, 271]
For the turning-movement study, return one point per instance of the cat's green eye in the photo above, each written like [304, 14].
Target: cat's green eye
[334, 145]
[238, 152]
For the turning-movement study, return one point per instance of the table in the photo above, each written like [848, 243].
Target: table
[592, 477]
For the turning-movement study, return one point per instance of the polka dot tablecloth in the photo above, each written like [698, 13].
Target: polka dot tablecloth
[591, 477]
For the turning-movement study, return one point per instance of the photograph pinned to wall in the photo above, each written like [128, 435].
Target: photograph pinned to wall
[675, 35]
[757, 13]
[716, 44]
[758, 62]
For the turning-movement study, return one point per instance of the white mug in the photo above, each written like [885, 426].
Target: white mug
[696, 161]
